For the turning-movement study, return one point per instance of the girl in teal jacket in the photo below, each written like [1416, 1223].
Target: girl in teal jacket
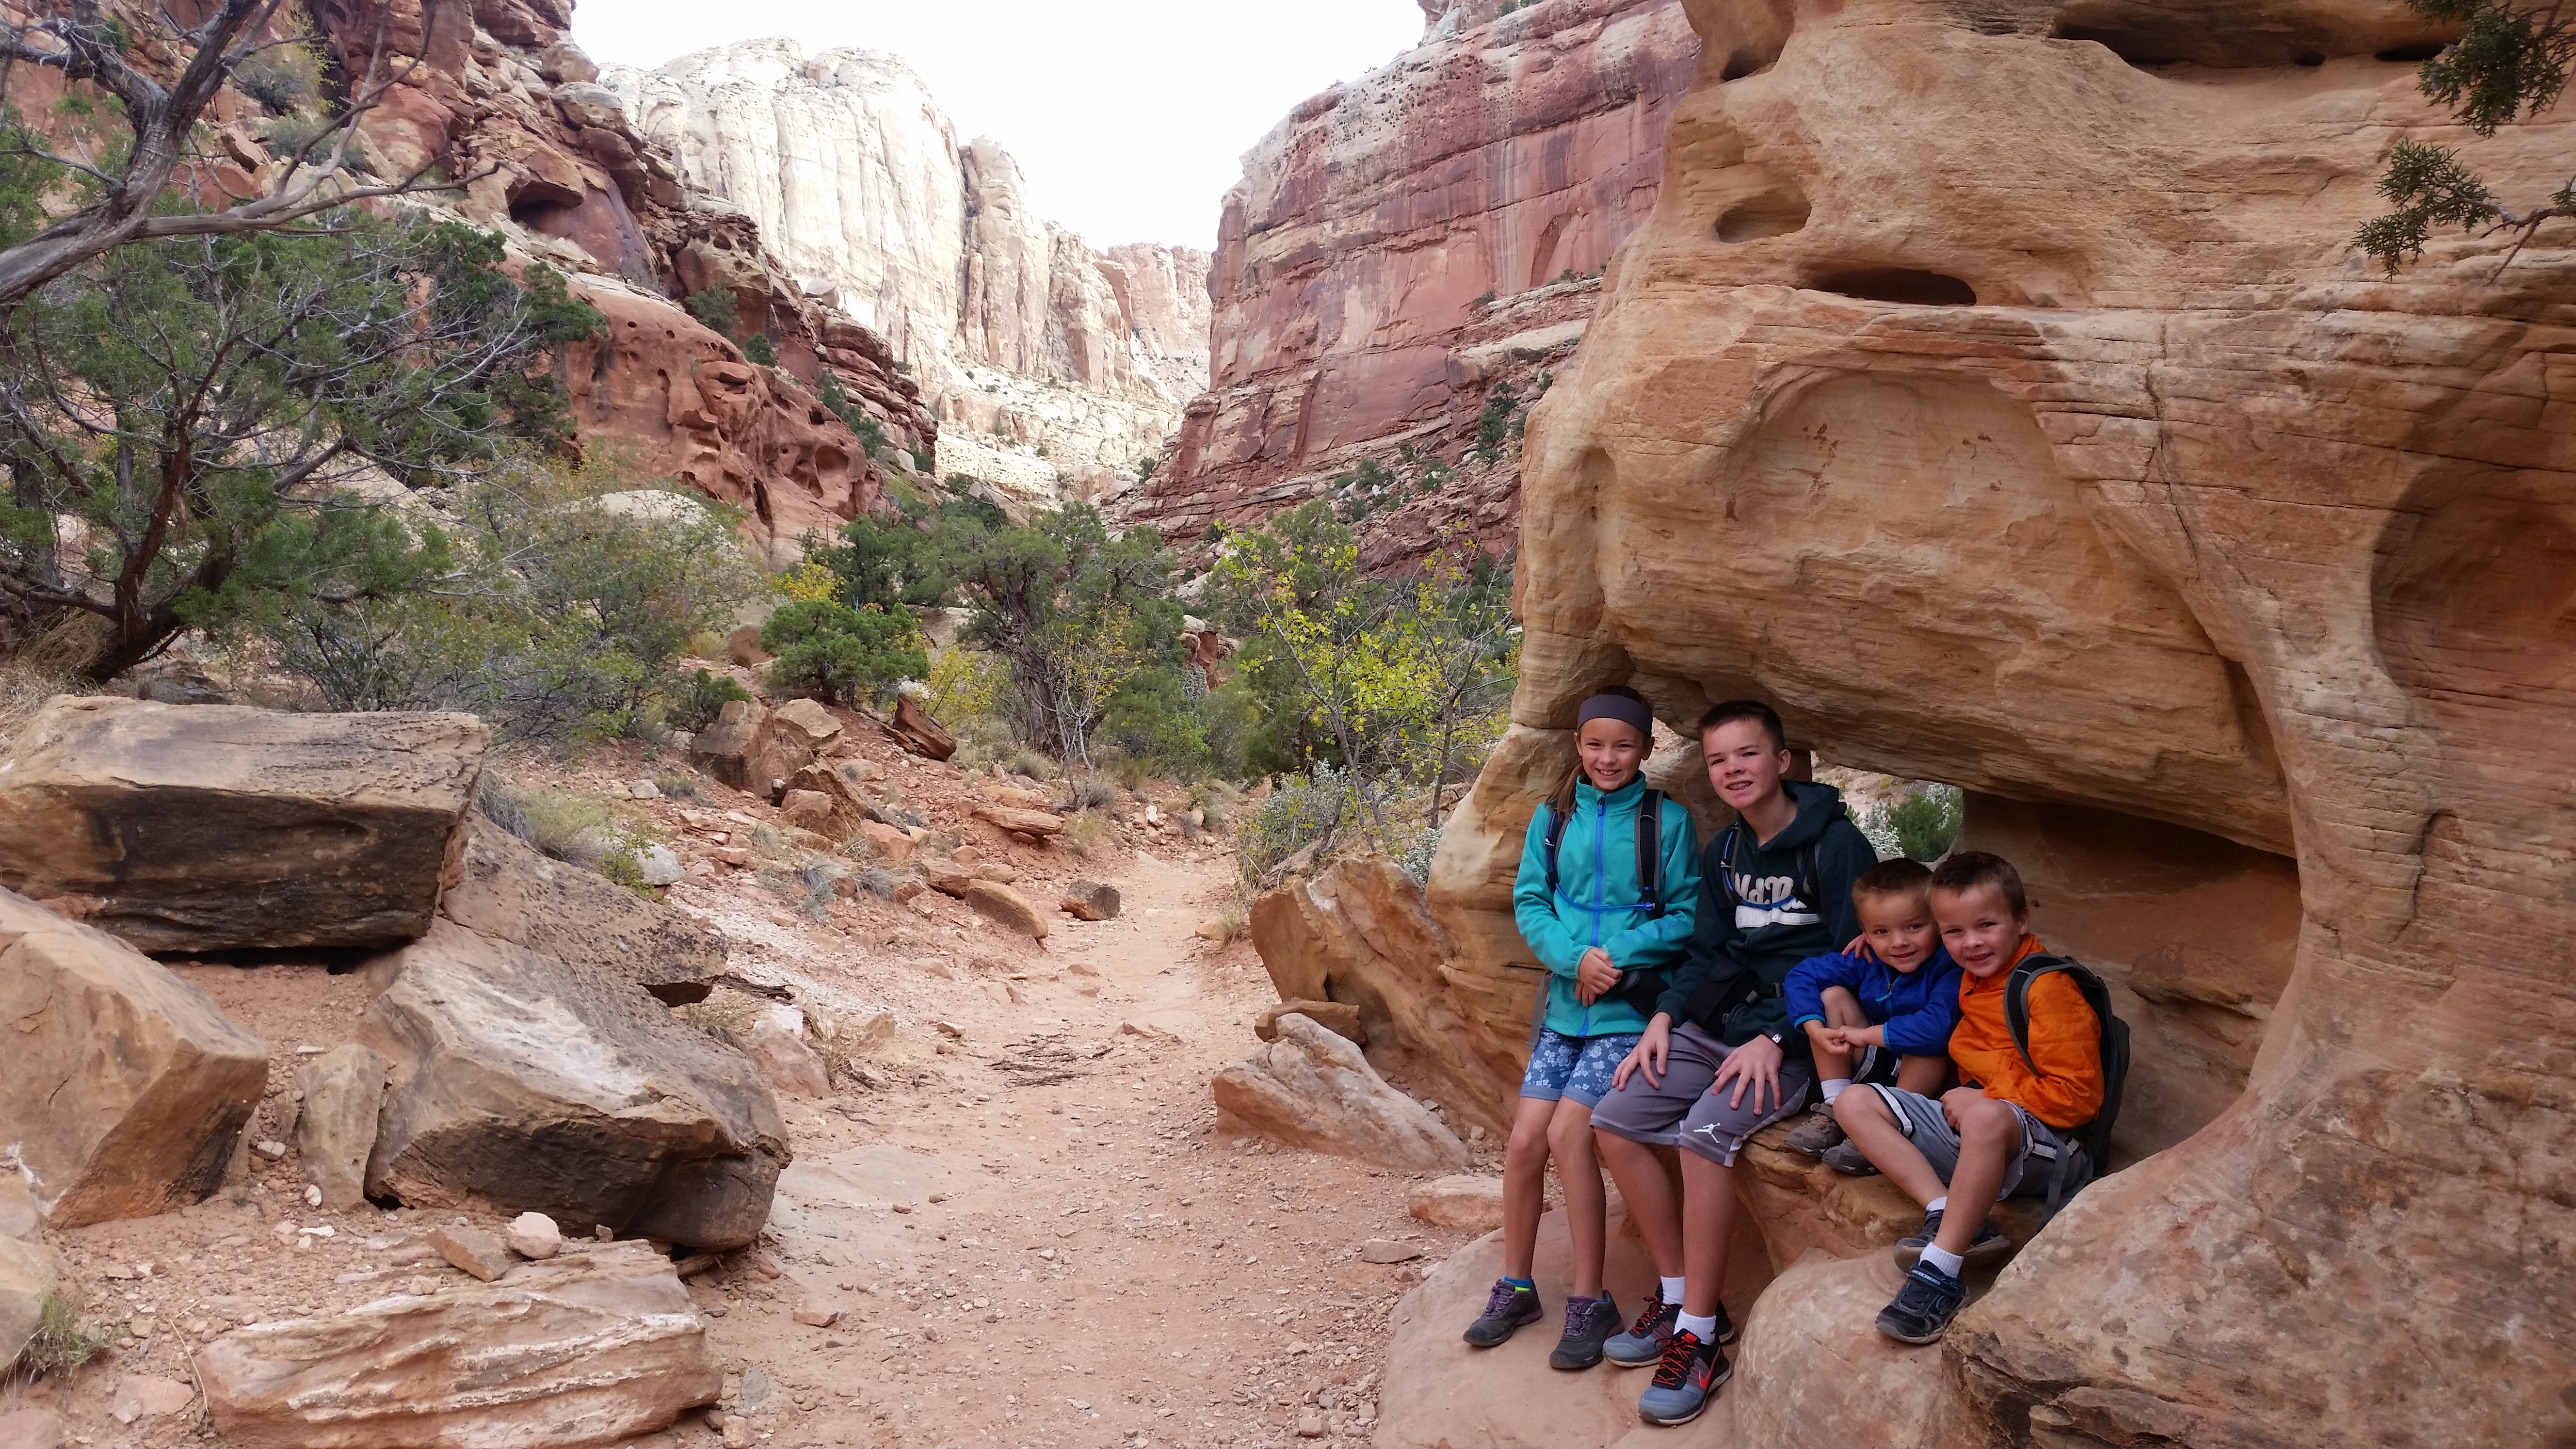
[1605, 945]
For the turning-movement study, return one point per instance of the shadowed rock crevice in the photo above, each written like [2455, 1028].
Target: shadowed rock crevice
[1911, 286]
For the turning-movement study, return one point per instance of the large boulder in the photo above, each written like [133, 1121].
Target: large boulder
[212, 827]
[915, 730]
[1358, 932]
[509, 891]
[591, 1347]
[1310, 1088]
[750, 748]
[539, 1086]
[1813, 1372]
[124, 1089]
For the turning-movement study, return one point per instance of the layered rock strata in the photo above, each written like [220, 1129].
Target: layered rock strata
[1404, 244]
[2101, 473]
[1047, 364]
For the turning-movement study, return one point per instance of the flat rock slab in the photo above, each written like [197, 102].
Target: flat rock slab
[1091, 900]
[144, 1396]
[336, 1129]
[539, 1087]
[1006, 908]
[1341, 1018]
[28, 1271]
[125, 1088]
[212, 827]
[1312, 1089]
[1463, 1200]
[509, 891]
[588, 1348]
[472, 1251]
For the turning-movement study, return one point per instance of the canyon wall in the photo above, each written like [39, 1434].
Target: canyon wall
[500, 96]
[1051, 367]
[1994, 387]
[1403, 244]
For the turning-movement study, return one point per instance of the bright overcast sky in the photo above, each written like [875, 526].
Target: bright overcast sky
[1130, 117]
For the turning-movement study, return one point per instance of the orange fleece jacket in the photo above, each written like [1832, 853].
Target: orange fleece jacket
[2064, 1039]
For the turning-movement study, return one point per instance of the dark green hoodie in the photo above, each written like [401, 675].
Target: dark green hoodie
[1759, 920]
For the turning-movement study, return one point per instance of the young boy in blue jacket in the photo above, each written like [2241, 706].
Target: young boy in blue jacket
[1893, 993]
[1605, 932]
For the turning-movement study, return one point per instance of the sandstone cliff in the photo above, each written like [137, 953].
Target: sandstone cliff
[1995, 388]
[1048, 365]
[502, 97]
[1403, 244]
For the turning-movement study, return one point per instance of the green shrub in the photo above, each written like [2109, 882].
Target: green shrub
[715, 308]
[761, 350]
[845, 655]
[703, 696]
[1926, 821]
[281, 77]
[677, 787]
[61, 1342]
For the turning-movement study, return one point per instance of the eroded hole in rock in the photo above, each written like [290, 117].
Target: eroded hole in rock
[1743, 63]
[543, 216]
[2129, 45]
[1777, 211]
[1897, 284]
[2412, 54]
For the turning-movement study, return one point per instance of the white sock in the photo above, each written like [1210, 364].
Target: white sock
[1947, 1262]
[1672, 1291]
[1704, 1325]
[1936, 1204]
[1834, 1088]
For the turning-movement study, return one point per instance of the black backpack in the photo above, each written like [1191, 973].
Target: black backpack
[2093, 1137]
[1640, 989]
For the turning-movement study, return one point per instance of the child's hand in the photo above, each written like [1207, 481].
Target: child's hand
[1957, 1100]
[1593, 975]
[1648, 1055]
[1859, 946]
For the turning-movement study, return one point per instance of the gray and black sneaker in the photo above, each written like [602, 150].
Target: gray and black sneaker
[1589, 1322]
[1506, 1309]
[1816, 1136]
[1985, 1247]
[1924, 1306]
[1643, 1344]
[1847, 1159]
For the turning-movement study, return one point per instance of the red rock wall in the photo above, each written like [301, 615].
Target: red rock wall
[1351, 257]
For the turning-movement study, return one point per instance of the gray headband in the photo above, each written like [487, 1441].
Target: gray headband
[1632, 713]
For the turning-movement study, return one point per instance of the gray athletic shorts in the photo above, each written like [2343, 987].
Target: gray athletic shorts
[1682, 1113]
[1934, 1137]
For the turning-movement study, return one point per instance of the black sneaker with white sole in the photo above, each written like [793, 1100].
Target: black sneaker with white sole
[1506, 1309]
[1589, 1323]
[1924, 1306]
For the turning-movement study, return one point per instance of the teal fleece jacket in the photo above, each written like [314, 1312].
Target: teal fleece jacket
[1596, 902]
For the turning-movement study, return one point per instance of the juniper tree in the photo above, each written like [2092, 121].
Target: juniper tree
[2510, 62]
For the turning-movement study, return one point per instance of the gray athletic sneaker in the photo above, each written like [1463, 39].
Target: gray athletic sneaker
[1643, 1343]
[1588, 1323]
[1816, 1136]
[1506, 1309]
[1847, 1159]
[1986, 1246]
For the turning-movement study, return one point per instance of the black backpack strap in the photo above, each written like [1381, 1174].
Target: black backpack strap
[1555, 838]
[2017, 999]
[1726, 856]
[1650, 853]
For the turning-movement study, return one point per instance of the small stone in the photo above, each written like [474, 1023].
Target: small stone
[737, 1432]
[814, 1313]
[472, 1251]
[141, 1396]
[658, 865]
[733, 855]
[534, 1235]
[312, 1196]
[644, 790]
[270, 1150]
[1090, 900]
[1383, 1250]
[1311, 1427]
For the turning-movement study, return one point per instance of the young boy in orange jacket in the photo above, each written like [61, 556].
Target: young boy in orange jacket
[1998, 1133]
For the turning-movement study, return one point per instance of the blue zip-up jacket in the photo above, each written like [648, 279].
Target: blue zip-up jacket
[1918, 1007]
[1596, 901]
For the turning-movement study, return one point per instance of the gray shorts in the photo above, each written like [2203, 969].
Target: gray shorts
[1682, 1113]
[1934, 1137]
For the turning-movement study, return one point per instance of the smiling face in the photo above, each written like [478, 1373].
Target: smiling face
[1744, 766]
[1979, 927]
[1898, 928]
[1611, 752]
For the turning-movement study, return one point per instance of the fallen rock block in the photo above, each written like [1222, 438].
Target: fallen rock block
[1312, 1089]
[1341, 1018]
[1090, 900]
[915, 730]
[820, 730]
[948, 879]
[1460, 1201]
[1386, 1250]
[533, 1236]
[591, 1347]
[893, 844]
[542, 1088]
[336, 1129]
[508, 891]
[1040, 824]
[143, 1396]
[126, 1089]
[29, 1272]
[1006, 907]
[814, 1313]
[774, 1039]
[471, 1250]
[213, 827]
[749, 748]
[808, 810]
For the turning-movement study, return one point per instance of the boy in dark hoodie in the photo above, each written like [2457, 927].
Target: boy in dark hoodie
[1719, 1059]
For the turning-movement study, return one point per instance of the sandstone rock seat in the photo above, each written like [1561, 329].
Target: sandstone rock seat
[1312, 1089]
[594, 1346]
[539, 1086]
[123, 1090]
[218, 827]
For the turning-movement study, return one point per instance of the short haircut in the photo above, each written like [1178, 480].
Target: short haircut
[1753, 709]
[1898, 877]
[1970, 869]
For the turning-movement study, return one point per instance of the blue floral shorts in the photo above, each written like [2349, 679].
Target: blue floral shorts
[1575, 1066]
